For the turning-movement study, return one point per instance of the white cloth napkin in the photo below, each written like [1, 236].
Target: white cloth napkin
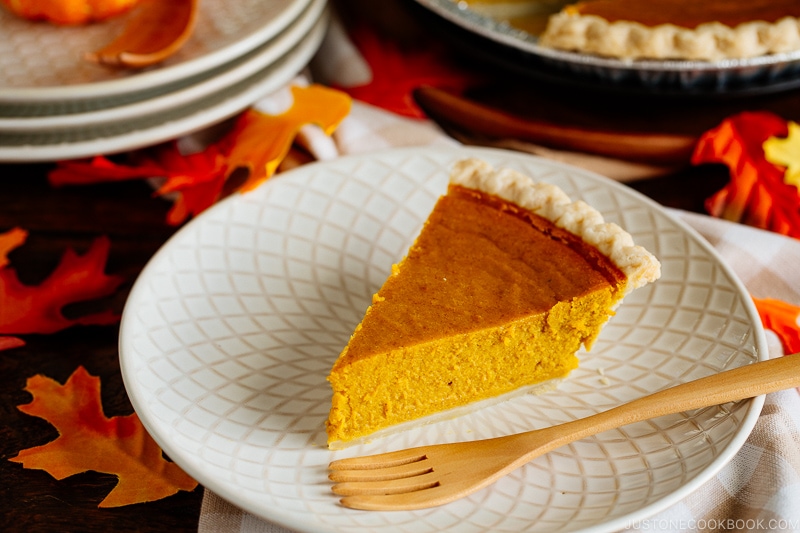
[759, 490]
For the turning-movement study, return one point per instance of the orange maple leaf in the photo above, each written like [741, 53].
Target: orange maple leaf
[257, 142]
[757, 193]
[782, 318]
[38, 309]
[89, 441]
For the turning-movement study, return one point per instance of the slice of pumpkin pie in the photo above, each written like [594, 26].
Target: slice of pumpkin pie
[505, 282]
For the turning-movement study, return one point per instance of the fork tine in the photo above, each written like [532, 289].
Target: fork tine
[392, 486]
[410, 469]
[418, 499]
[381, 460]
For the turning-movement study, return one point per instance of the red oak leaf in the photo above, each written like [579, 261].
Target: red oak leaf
[757, 193]
[101, 169]
[197, 179]
[88, 440]
[782, 318]
[257, 142]
[38, 309]
[10, 240]
[397, 70]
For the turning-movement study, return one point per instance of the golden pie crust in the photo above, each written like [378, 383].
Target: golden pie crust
[676, 29]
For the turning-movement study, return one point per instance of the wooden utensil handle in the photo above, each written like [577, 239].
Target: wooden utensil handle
[746, 381]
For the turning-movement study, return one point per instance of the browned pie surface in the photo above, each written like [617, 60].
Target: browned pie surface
[689, 13]
[479, 262]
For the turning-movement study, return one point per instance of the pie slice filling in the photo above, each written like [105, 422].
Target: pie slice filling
[505, 282]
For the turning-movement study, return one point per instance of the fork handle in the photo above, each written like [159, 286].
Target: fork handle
[743, 382]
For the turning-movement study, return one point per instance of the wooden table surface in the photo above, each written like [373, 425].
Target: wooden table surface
[57, 219]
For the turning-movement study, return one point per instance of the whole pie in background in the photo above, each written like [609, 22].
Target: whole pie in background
[676, 29]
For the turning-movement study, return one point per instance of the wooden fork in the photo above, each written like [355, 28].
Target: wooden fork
[156, 30]
[428, 476]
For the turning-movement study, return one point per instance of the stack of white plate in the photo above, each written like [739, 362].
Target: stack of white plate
[56, 105]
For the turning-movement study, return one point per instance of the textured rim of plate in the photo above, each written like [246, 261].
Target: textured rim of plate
[461, 15]
[275, 50]
[295, 520]
[185, 120]
[162, 76]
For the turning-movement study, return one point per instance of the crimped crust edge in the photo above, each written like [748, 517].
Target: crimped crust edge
[550, 202]
[711, 41]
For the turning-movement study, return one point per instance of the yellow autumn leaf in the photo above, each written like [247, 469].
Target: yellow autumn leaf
[786, 153]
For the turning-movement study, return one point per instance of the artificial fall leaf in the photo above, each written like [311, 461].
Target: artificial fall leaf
[10, 240]
[257, 142]
[260, 142]
[101, 169]
[88, 440]
[197, 179]
[398, 70]
[782, 318]
[6, 343]
[757, 194]
[38, 309]
[786, 152]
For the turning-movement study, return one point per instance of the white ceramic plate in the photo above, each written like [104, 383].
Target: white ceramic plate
[234, 72]
[43, 63]
[231, 329]
[123, 135]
